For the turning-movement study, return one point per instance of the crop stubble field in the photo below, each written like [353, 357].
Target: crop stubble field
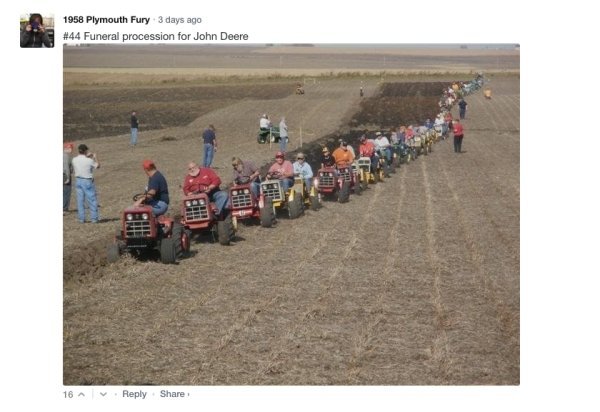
[414, 282]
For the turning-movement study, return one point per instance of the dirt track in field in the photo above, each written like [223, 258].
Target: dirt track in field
[414, 282]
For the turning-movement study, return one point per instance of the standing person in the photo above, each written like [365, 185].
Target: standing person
[362, 93]
[458, 136]
[157, 194]
[34, 33]
[462, 108]
[67, 176]
[283, 135]
[205, 180]
[210, 144]
[134, 129]
[84, 166]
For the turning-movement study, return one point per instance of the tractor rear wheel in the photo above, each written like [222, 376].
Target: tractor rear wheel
[314, 203]
[225, 230]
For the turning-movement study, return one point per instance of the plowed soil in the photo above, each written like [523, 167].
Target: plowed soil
[415, 282]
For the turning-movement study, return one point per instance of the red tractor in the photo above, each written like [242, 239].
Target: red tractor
[329, 182]
[140, 231]
[244, 205]
[198, 215]
[351, 175]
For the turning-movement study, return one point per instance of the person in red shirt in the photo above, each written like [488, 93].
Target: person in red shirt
[367, 149]
[205, 180]
[458, 136]
[283, 170]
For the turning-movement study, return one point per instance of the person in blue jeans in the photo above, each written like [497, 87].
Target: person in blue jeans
[157, 193]
[67, 175]
[210, 145]
[134, 129]
[462, 108]
[84, 166]
[283, 135]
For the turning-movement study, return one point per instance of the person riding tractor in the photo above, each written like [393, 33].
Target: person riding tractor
[283, 170]
[367, 149]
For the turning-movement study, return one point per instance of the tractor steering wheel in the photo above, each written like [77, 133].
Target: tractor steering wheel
[138, 196]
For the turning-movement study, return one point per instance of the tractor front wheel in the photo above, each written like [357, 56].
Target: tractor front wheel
[295, 207]
[267, 215]
[113, 253]
[168, 249]
[344, 194]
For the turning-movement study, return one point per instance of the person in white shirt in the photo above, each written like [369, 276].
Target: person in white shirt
[303, 169]
[84, 166]
[264, 122]
[283, 135]
[383, 146]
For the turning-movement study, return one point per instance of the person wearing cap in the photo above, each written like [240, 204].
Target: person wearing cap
[327, 160]
[67, 175]
[210, 144]
[303, 169]
[84, 165]
[342, 155]
[283, 170]
[367, 149]
[157, 192]
[246, 171]
[205, 180]
[351, 150]
[383, 146]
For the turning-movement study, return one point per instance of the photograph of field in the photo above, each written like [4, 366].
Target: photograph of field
[414, 282]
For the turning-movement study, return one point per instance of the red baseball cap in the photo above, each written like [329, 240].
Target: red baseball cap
[148, 164]
[69, 145]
